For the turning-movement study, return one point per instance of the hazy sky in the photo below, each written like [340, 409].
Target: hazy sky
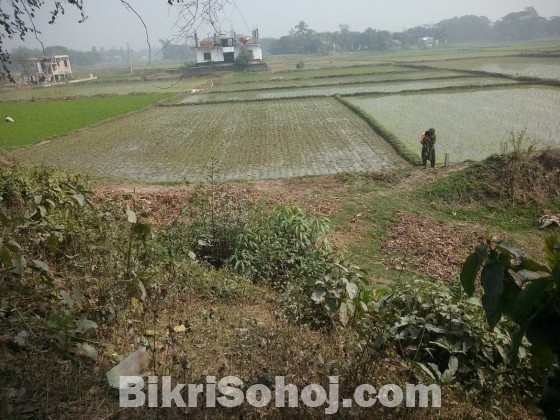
[109, 24]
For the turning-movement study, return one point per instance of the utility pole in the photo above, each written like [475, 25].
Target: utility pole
[129, 60]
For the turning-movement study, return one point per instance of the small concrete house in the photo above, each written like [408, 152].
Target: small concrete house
[52, 69]
[227, 49]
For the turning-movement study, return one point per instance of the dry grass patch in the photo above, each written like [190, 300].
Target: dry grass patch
[432, 247]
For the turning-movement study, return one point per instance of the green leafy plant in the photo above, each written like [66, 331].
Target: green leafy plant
[244, 58]
[217, 217]
[342, 293]
[139, 232]
[44, 215]
[288, 245]
[445, 335]
[65, 321]
[290, 251]
[527, 293]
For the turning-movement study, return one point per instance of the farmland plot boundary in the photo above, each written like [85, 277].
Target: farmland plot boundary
[238, 101]
[348, 91]
[226, 84]
[317, 73]
[74, 97]
[353, 83]
[445, 89]
[389, 137]
[286, 77]
[482, 73]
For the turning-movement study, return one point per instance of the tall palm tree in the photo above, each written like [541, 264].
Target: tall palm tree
[301, 29]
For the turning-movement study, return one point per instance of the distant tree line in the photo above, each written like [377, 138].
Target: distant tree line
[168, 51]
[517, 26]
[81, 58]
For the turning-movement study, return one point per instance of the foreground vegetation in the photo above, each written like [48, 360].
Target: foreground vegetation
[229, 284]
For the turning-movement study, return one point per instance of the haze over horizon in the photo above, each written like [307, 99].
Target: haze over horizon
[110, 24]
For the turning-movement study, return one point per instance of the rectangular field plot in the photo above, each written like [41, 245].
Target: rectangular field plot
[469, 125]
[272, 139]
[538, 67]
[100, 88]
[39, 120]
[281, 83]
[386, 87]
[311, 74]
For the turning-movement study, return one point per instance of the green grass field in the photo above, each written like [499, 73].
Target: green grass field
[38, 121]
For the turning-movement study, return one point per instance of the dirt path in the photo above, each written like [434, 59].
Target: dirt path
[418, 175]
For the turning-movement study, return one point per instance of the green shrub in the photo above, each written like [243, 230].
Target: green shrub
[243, 59]
[527, 293]
[15, 186]
[289, 245]
[444, 334]
[49, 215]
[217, 216]
[520, 175]
[289, 250]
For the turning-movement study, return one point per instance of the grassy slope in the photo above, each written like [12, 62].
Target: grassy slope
[470, 196]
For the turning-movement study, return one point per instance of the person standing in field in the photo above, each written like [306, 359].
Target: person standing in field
[428, 141]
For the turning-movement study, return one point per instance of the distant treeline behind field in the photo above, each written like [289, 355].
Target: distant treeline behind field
[516, 26]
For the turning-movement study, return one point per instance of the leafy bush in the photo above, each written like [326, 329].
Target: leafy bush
[243, 59]
[47, 220]
[526, 174]
[46, 214]
[14, 187]
[444, 334]
[289, 250]
[217, 217]
[289, 245]
[528, 294]
[521, 175]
